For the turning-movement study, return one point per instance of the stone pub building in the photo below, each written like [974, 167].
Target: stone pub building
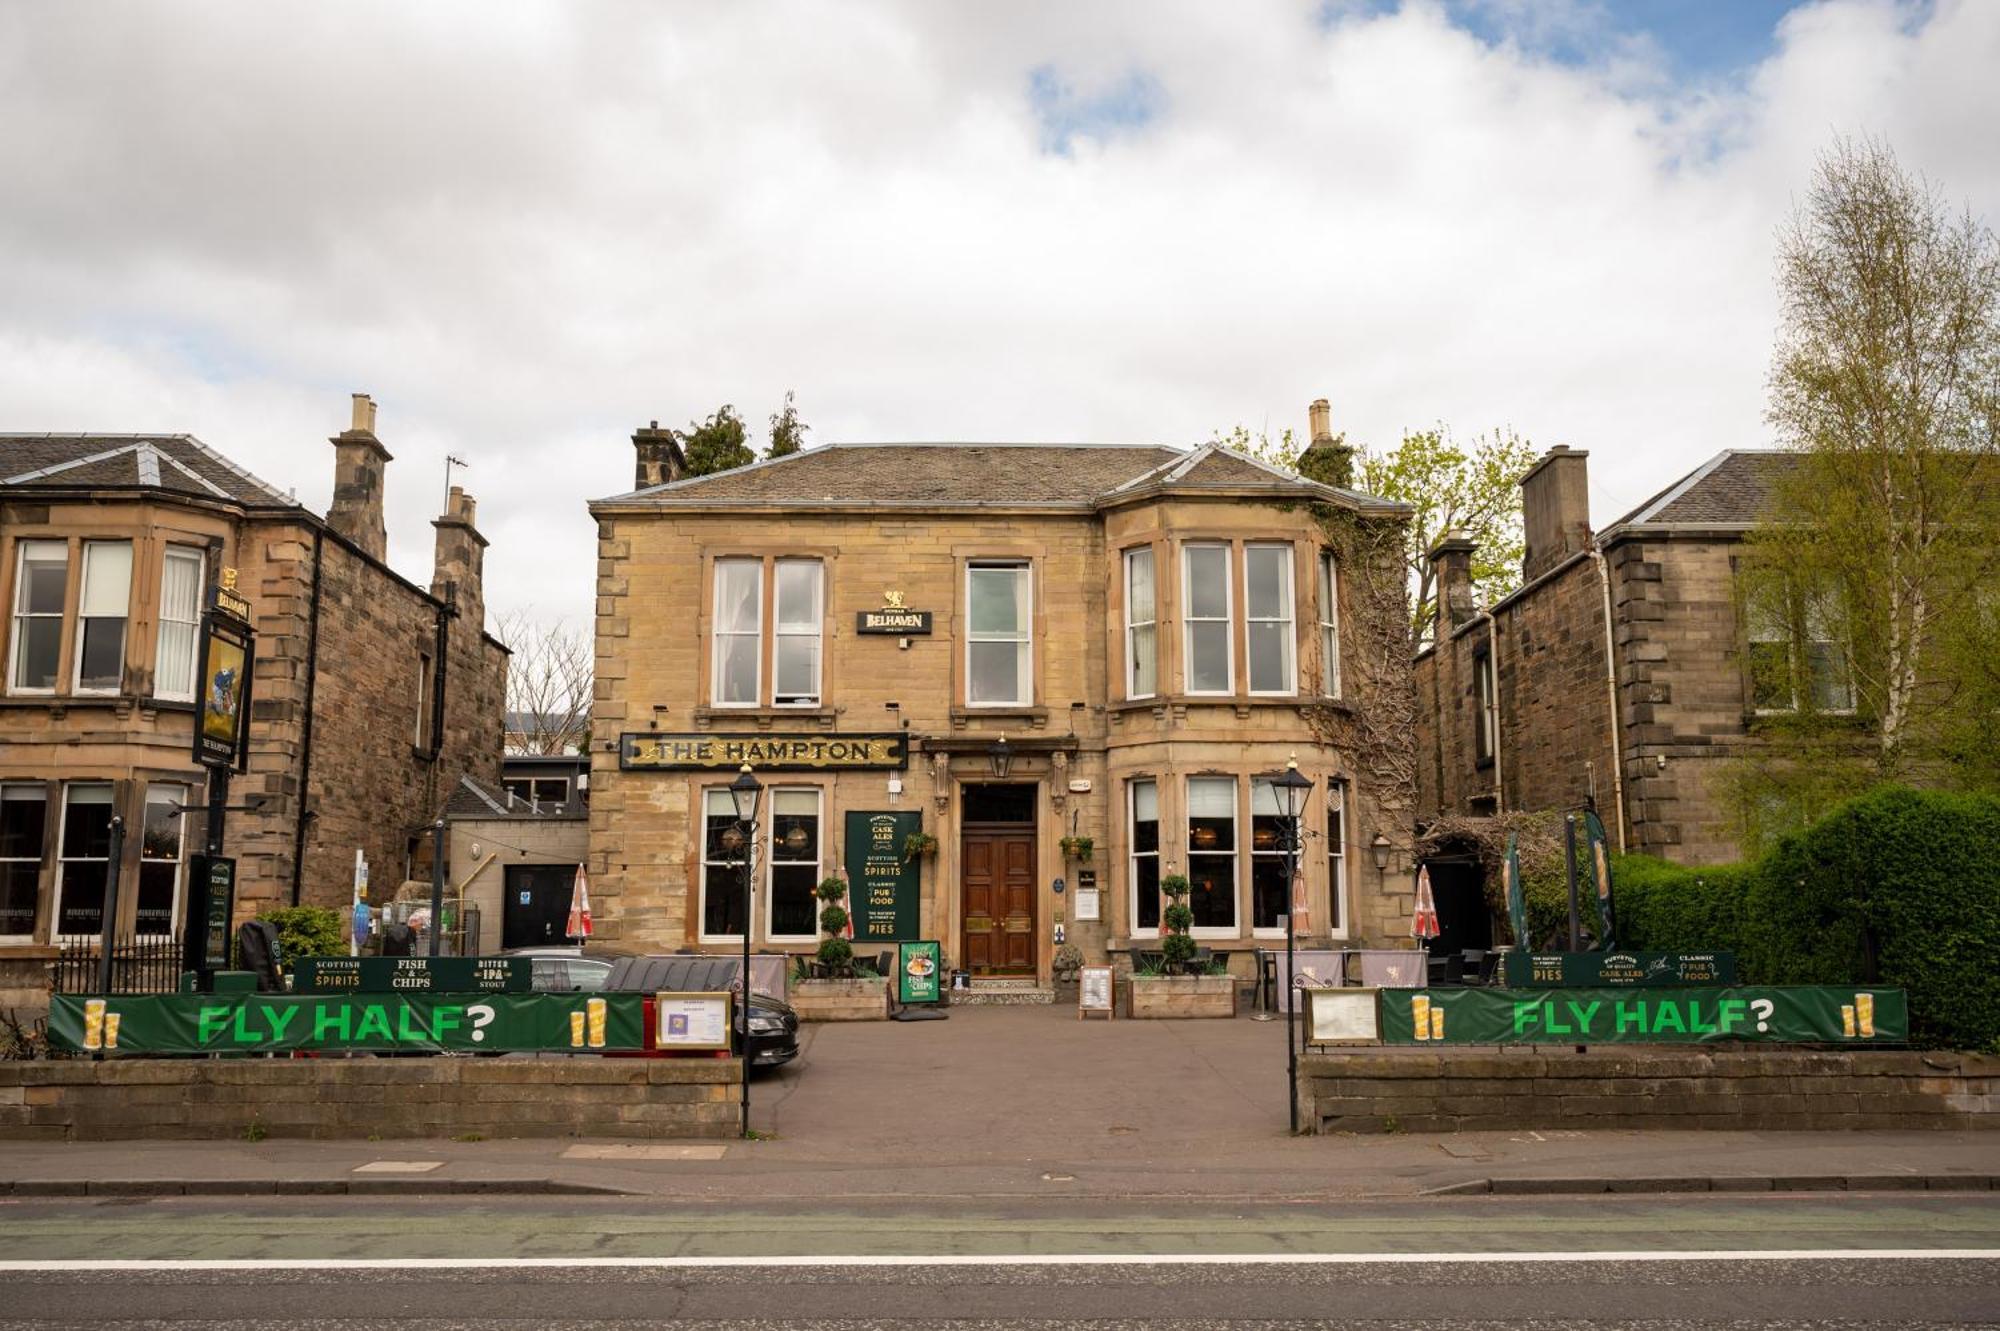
[1008, 646]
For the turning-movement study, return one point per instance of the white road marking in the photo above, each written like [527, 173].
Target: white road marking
[1003, 1259]
[662, 1152]
[398, 1167]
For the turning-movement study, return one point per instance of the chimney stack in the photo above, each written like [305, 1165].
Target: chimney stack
[359, 461]
[1329, 458]
[1451, 580]
[1555, 510]
[659, 457]
[461, 557]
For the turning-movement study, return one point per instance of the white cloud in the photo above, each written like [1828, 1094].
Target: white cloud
[529, 228]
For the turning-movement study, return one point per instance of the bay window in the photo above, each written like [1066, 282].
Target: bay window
[999, 657]
[1329, 624]
[23, 844]
[1211, 820]
[1144, 797]
[41, 585]
[1142, 662]
[1270, 889]
[1269, 637]
[174, 666]
[1336, 858]
[102, 605]
[160, 847]
[83, 859]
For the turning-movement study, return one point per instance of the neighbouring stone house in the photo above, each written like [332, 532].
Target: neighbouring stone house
[371, 695]
[1007, 645]
[1619, 674]
[513, 852]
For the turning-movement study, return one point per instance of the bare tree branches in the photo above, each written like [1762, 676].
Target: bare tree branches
[548, 685]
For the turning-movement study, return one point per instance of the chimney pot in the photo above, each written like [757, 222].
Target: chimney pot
[1320, 415]
[359, 465]
[363, 421]
[1328, 460]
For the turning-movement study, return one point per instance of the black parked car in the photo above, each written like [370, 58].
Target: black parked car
[774, 1027]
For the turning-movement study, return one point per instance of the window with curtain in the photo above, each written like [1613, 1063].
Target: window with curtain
[102, 605]
[1145, 856]
[1270, 891]
[723, 849]
[999, 660]
[23, 845]
[1269, 635]
[795, 864]
[174, 666]
[739, 626]
[1205, 619]
[1141, 625]
[83, 858]
[41, 585]
[160, 844]
[1329, 624]
[796, 624]
[1212, 853]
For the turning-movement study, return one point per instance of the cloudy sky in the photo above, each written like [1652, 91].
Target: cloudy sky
[527, 228]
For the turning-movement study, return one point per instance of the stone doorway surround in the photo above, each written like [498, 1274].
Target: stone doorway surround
[998, 879]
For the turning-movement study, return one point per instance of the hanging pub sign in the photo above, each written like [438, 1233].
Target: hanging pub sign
[885, 882]
[894, 619]
[222, 697]
[651, 752]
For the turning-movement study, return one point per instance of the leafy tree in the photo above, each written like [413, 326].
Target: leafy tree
[717, 444]
[1885, 538]
[1473, 489]
[788, 432]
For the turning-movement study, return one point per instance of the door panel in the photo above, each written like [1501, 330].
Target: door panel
[999, 900]
[535, 910]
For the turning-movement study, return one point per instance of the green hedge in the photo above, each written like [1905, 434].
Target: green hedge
[308, 931]
[1914, 874]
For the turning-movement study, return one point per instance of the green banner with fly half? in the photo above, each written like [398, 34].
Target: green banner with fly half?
[382, 1023]
[1780, 1014]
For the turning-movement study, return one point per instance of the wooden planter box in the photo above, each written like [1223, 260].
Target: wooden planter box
[840, 1000]
[1179, 996]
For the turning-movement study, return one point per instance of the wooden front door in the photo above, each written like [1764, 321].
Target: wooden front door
[999, 901]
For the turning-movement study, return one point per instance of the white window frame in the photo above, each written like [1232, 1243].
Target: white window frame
[1023, 639]
[64, 861]
[180, 554]
[1133, 854]
[1486, 702]
[1288, 639]
[735, 873]
[1268, 930]
[40, 792]
[1817, 630]
[82, 619]
[1329, 623]
[167, 792]
[1133, 626]
[768, 830]
[1189, 620]
[21, 614]
[1235, 855]
[719, 635]
[779, 632]
[1336, 861]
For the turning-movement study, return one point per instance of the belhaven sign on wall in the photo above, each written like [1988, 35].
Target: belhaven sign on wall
[767, 753]
[899, 622]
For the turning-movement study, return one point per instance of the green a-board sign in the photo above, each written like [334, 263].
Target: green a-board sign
[1782, 1014]
[919, 972]
[1606, 970]
[884, 890]
[396, 975]
[404, 1023]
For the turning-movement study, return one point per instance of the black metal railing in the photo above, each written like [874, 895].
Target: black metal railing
[144, 965]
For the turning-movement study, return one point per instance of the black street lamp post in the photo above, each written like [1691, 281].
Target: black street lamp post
[1292, 789]
[744, 791]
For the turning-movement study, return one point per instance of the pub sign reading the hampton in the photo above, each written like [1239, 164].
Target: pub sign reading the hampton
[767, 753]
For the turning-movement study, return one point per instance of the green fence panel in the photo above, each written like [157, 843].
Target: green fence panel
[399, 1023]
[1787, 1014]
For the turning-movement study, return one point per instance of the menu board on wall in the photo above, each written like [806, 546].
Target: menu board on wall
[884, 889]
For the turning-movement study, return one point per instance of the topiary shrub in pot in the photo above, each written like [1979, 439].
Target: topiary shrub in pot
[1177, 948]
[836, 954]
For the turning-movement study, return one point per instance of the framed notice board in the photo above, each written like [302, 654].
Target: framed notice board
[1094, 992]
[884, 889]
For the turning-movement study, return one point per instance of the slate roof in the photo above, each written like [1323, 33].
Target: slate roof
[1078, 476]
[178, 462]
[474, 800]
[1732, 489]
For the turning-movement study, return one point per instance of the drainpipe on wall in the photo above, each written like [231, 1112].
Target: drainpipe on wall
[306, 730]
[1611, 690]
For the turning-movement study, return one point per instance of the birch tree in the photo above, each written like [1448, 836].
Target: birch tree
[1884, 382]
[549, 681]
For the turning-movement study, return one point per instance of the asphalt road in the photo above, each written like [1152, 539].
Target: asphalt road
[1772, 1261]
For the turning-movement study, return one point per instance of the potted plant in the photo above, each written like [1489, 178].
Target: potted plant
[918, 844]
[837, 992]
[1078, 848]
[1179, 989]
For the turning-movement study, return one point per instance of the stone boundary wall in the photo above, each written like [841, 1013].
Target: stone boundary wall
[212, 1099]
[1475, 1090]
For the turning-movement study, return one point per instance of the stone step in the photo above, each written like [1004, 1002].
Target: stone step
[1003, 992]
